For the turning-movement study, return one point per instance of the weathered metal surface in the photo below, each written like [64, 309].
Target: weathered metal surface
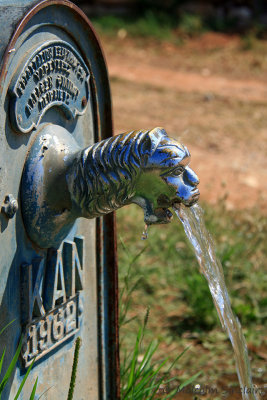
[143, 167]
[108, 279]
[58, 277]
[61, 182]
[45, 202]
[52, 308]
[51, 299]
[54, 75]
[12, 11]
[10, 206]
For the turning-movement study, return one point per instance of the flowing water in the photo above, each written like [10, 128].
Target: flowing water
[145, 233]
[211, 268]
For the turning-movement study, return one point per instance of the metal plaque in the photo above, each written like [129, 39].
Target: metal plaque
[54, 75]
[53, 86]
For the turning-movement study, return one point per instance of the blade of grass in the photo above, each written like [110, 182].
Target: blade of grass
[152, 347]
[143, 382]
[149, 376]
[45, 392]
[171, 394]
[2, 359]
[190, 380]
[74, 368]
[5, 327]
[129, 320]
[177, 358]
[11, 367]
[133, 363]
[24, 380]
[135, 258]
[125, 248]
[34, 390]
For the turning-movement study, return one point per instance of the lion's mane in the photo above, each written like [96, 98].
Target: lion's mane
[105, 173]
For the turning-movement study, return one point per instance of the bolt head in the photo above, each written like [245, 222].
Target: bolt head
[10, 206]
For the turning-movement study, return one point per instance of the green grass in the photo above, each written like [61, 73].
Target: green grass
[151, 24]
[165, 276]
[12, 365]
[160, 25]
[142, 378]
[191, 24]
[74, 368]
[10, 369]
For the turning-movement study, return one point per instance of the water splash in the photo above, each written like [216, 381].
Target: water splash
[145, 233]
[211, 268]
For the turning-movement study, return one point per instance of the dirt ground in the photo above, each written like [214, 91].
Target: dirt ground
[212, 95]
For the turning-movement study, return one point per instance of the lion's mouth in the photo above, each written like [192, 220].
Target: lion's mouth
[193, 199]
[190, 201]
[162, 215]
[159, 216]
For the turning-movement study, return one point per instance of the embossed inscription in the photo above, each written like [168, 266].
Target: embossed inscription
[54, 75]
[45, 334]
[50, 299]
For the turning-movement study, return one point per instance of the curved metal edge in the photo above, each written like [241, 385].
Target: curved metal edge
[34, 10]
[106, 227]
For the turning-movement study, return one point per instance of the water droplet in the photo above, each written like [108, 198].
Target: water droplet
[145, 233]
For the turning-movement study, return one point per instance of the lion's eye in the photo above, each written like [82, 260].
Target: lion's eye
[177, 171]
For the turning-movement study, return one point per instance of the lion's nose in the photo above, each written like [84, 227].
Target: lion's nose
[190, 177]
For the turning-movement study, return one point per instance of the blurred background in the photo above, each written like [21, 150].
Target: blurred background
[199, 69]
[218, 14]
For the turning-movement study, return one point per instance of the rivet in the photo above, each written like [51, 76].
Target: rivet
[10, 206]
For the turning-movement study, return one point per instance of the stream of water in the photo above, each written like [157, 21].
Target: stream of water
[211, 268]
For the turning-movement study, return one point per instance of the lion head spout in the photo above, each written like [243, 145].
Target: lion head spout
[64, 182]
[143, 167]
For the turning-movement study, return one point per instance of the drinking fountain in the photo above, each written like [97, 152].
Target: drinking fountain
[62, 174]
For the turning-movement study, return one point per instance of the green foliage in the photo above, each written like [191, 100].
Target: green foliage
[240, 247]
[130, 284]
[166, 277]
[166, 20]
[13, 363]
[191, 24]
[197, 296]
[11, 368]
[148, 25]
[32, 397]
[142, 378]
[151, 24]
[74, 368]
[248, 41]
